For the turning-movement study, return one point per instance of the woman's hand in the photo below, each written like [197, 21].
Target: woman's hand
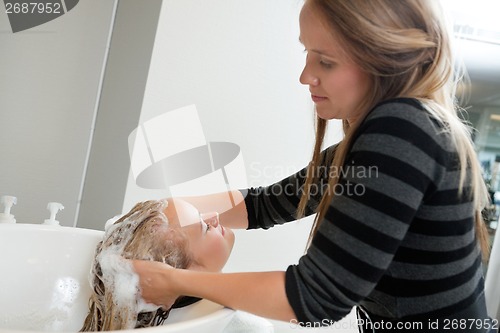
[156, 282]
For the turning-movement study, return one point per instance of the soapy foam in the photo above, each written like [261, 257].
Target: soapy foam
[118, 275]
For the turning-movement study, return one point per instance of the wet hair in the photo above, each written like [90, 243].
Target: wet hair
[405, 48]
[143, 233]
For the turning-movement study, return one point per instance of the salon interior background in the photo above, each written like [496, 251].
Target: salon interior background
[74, 88]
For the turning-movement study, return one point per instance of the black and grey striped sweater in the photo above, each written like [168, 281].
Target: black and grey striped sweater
[401, 243]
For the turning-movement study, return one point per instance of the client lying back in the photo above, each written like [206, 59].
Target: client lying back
[188, 240]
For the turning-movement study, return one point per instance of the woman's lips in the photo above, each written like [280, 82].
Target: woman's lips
[317, 99]
[222, 231]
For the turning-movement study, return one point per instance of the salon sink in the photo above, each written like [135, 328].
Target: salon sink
[44, 283]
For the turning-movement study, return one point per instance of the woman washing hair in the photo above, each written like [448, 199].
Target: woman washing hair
[406, 246]
[190, 241]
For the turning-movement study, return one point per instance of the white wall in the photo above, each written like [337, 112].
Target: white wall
[71, 91]
[48, 93]
[122, 93]
[239, 62]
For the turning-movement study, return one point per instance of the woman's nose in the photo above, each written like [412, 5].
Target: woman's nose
[307, 78]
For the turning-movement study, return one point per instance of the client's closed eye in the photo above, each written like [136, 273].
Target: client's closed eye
[205, 227]
[208, 221]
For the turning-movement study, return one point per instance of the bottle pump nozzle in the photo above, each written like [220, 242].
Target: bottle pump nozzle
[54, 208]
[6, 216]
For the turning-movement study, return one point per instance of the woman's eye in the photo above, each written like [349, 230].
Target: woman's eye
[325, 64]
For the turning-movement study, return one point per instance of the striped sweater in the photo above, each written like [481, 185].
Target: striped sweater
[397, 239]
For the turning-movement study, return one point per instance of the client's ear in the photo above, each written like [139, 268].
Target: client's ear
[200, 268]
[194, 266]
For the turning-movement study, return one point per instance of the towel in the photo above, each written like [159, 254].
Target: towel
[243, 322]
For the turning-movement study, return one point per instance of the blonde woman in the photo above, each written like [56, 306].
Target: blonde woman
[190, 241]
[398, 231]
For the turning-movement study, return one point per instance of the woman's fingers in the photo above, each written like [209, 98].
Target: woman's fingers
[154, 282]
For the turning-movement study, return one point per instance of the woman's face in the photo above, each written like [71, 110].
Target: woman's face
[209, 242]
[338, 86]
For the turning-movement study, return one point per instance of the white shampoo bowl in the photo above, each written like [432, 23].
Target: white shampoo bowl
[44, 284]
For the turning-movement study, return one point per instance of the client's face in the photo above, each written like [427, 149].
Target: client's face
[210, 243]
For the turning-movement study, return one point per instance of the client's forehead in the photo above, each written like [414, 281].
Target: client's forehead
[185, 213]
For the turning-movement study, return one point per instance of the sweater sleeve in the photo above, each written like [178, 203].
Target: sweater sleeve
[277, 203]
[389, 169]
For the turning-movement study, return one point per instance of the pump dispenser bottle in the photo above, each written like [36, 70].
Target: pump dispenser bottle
[6, 216]
[53, 207]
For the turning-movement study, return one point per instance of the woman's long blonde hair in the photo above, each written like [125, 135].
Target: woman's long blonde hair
[148, 236]
[405, 47]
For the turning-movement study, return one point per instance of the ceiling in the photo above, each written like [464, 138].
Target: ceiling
[482, 61]
[477, 43]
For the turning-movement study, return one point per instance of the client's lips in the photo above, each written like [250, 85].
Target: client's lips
[222, 230]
